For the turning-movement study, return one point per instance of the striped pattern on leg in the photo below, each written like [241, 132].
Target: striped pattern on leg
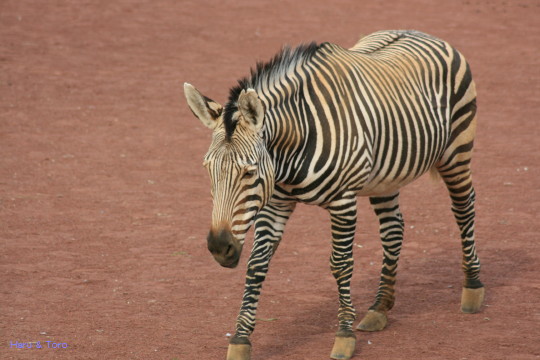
[343, 220]
[391, 231]
[459, 183]
[269, 227]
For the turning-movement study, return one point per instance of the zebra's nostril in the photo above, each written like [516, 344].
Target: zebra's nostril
[230, 250]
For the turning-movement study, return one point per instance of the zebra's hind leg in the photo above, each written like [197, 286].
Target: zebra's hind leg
[455, 169]
[343, 219]
[457, 176]
[391, 231]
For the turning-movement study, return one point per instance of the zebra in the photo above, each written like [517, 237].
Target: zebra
[320, 124]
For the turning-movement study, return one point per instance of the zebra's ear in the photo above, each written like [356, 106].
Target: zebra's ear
[207, 110]
[252, 109]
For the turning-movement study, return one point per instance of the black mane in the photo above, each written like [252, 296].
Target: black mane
[262, 72]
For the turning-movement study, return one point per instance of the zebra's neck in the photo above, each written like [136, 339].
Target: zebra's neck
[279, 84]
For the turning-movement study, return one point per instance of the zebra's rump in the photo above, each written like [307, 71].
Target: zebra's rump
[382, 39]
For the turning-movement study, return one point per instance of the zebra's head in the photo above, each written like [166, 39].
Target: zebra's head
[240, 168]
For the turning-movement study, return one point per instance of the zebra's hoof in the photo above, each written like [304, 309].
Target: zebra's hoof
[344, 345]
[472, 299]
[239, 352]
[373, 321]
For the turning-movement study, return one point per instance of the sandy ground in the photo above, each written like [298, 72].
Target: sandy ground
[104, 206]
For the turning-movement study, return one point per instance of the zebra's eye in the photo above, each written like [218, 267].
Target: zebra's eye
[249, 172]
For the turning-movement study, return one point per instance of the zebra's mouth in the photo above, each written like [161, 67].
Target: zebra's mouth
[232, 264]
[230, 261]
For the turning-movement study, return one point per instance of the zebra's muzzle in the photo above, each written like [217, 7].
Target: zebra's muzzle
[224, 247]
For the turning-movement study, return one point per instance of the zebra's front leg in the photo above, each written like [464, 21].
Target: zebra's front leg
[343, 219]
[391, 232]
[269, 227]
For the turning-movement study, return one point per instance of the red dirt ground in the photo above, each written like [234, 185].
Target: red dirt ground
[104, 205]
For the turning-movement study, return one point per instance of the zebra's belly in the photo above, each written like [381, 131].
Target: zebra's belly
[384, 179]
[384, 187]
[376, 186]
